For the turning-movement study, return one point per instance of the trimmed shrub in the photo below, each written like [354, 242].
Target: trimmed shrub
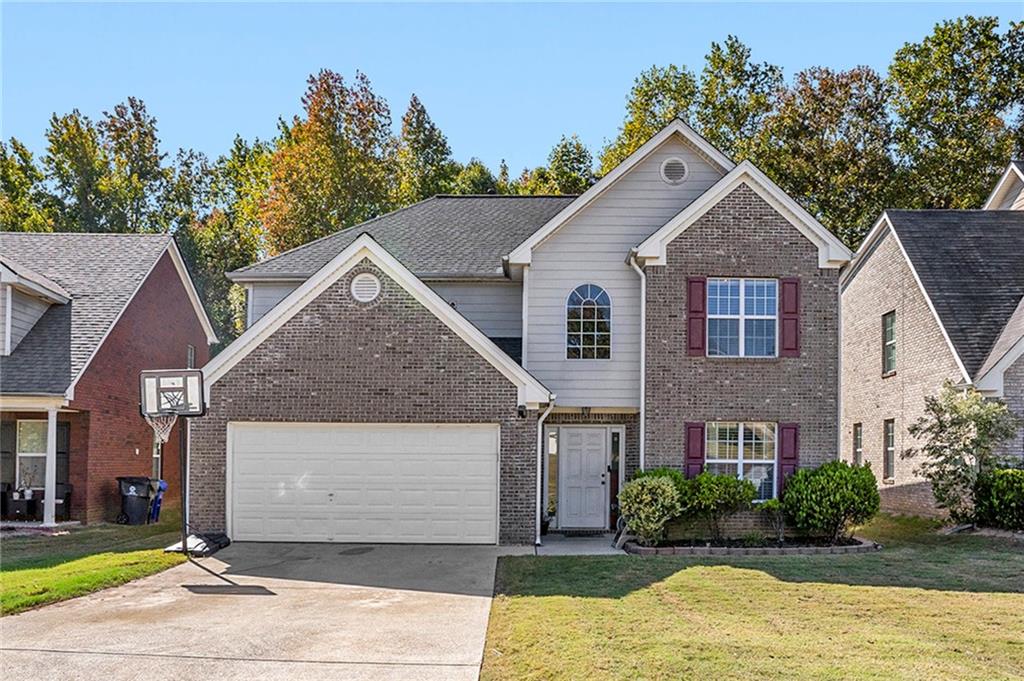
[827, 501]
[715, 497]
[674, 475]
[999, 499]
[648, 503]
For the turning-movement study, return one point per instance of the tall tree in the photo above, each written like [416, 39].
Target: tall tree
[475, 178]
[735, 97]
[424, 160]
[953, 97]
[829, 145]
[77, 166]
[659, 94]
[25, 205]
[569, 171]
[333, 167]
[136, 176]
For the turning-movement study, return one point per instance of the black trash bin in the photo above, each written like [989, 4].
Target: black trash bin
[135, 496]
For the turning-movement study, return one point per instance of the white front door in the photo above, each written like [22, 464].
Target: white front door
[582, 478]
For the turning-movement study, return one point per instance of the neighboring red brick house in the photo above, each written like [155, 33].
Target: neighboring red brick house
[83, 315]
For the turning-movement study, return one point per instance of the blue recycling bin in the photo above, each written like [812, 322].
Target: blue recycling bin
[158, 500]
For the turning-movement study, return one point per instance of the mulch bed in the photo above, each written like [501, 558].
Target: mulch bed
[736, 548]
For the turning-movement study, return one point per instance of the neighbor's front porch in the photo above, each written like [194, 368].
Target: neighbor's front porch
[37, 439]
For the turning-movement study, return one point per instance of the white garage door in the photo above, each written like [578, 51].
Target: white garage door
[363, 483]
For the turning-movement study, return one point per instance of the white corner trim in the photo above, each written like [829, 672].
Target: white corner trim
[8, 317]
[523, 253]
[997, 192]
[531, 392]
[832, 253]
[193, 295]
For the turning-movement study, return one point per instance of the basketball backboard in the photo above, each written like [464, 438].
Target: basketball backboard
[171, 391]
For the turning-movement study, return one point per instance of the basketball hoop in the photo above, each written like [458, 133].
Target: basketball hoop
[161, 425]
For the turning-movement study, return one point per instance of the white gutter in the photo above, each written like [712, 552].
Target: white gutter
[540, 466]
[643, 353]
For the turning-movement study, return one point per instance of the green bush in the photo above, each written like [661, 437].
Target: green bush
[772, 510]
[648, 503]
[828, 500]
[715, 497]
[674, 475]
[999, 499]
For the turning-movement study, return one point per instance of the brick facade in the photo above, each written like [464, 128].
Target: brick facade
[923, 360]
[153, 333]
[741, 236]
[389, 361]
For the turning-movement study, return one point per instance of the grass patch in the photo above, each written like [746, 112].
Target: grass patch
[928, 606]
[36, 570]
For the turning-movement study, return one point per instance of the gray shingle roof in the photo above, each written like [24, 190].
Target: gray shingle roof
[457, 236]
[971, 265]
[101, 272]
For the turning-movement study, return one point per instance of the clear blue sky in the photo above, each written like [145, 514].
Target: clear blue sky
[502, 81]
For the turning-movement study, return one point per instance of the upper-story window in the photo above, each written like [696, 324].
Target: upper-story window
[588, 323]
[743, 317]
[858, 444]
[889, 343]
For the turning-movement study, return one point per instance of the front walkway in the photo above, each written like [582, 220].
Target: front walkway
[594, 545]
[281, 611]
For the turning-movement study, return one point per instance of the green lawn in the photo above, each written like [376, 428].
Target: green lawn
[926, 607]
[38, 570]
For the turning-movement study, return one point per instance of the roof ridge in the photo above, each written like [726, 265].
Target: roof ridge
[505, 196]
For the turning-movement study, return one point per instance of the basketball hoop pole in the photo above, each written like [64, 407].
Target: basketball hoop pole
[183, 466]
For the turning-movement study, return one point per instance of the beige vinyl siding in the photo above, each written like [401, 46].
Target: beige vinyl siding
[1018, 202]
[25, 312]
[592, 248]
[264, 296]
[495, 308]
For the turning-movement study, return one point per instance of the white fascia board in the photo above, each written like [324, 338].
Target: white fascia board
[531, 392]
[992, 380]
[1012, 172]
[523, 253]
[832, 253]
[34, 284]
[864, 251]
[32, 402]
[190, 290]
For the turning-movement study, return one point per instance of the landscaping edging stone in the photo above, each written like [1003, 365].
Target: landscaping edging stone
[862, 546]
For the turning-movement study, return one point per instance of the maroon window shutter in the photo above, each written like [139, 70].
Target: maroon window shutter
[696, 315]
[789, 451]
[694, 449]
[789, 317]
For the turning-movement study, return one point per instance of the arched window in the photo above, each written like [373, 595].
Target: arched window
[588, 323]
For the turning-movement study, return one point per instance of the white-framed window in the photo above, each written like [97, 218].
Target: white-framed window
[190, 357]
[889, 437]
[889, 343]
[743, 317]
[748, 450]
[588, 323]
[31, 454]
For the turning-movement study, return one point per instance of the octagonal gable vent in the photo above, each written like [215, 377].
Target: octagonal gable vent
[674, 170]
[365, 287]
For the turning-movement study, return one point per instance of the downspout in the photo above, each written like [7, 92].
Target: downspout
[540, 465]
[643, 354]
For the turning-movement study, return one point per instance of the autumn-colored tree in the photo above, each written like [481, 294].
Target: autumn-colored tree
[136, 176]
[333, 166]
[25, 205]
[659, 94]
[953, 95]
[829, 145]
[77, 167]
[734, 97]
[424, 160]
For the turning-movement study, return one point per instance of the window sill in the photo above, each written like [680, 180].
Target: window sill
[888, 374]
[888, 481]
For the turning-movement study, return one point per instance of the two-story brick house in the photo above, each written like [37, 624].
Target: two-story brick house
[931, 295]
[460, 369]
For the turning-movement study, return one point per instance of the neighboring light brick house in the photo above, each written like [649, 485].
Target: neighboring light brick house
[466, 367]
[931, 295]
[83, 315]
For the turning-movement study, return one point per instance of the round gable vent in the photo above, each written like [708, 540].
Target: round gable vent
[674, 170]
[365, 287]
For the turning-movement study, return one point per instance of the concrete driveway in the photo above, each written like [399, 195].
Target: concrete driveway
[336, 611]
